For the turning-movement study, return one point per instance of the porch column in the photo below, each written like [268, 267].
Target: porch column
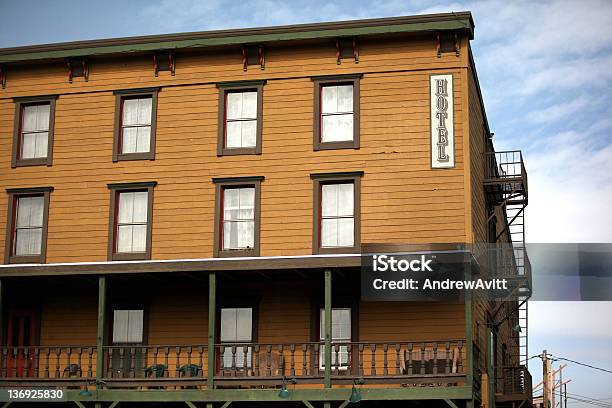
[101, 330]
[212, 325]
[328, 327]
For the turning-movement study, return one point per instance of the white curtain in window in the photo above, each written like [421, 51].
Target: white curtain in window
[132, 221]
[336, 113]
[238, 218]
[128, 326]
[241, 119]
[28, 226]
[337, 215]
[236, 327]
[341, 333]
[35, 131]
[136, 123]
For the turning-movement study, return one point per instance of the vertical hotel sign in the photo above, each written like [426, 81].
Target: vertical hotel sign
[442, 119]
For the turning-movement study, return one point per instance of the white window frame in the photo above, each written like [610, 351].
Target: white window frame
[345, 340]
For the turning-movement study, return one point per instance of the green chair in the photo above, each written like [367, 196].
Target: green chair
[155, 371]
[189, 370]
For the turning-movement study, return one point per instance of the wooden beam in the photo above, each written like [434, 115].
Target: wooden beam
[101, 327]
[212, 314]
[344, 404]
[308, 404]
[79, 404]
[190, 404]
[227, 404]
[6, 404]
[114, 404]
[450, 403]
[328, 327]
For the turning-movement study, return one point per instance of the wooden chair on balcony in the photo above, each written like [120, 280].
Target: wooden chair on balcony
[72, 371]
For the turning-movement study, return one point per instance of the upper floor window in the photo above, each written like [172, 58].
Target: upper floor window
[240, 118]
[336, 112]
[238, 214]
[336, 212]
[135, 125]
[27, 226]
[131, 221]
[33, 136]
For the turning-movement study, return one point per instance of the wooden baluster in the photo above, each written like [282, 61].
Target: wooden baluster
[245, 356]
[292, 351]
[256, 358]
[281, 358]
[268, 360]
[233, 367]
[409, 359]
[336, 358]
[201, 359]
[435, 358]
[447, 367]
[460, 357]
[373, 368]
[397, 359]
[166, 362]
[177, 373]
[15, 352]
[315, 360]
[121, 362]
[155, 353]
[90, 364]
[36, 361]
[423, 358]
[80, 361]
[26, 362]
[361, 359]
[133, 362]
[107, 354]
[58, 353]
[4, 361]
[68, 361]
[304, 365]
[385, 360]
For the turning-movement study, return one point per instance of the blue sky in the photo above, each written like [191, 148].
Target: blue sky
[546, 74]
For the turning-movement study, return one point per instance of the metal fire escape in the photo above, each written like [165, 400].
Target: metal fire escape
[505, 185]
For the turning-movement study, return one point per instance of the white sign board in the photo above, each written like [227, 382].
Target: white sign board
[442, 119]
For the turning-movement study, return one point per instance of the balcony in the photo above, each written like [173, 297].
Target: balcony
[505, 177]
[515, 386]
[237, 365]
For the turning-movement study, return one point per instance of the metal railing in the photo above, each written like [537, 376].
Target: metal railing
[517, 382]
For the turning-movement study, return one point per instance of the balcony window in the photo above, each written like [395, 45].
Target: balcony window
[236, 327]
[240, 118]
[341, 333]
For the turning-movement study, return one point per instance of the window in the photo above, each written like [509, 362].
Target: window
[33, 135]
[336, 221]
[237, 216]
[236, 327]
[336, 103]
[131, 221]
[135, 123]
[341, 333]
[128, 326]
[240, 118]
[27, 226]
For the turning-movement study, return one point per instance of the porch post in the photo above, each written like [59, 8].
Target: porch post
[101, 330]
[328, 327]
[212, 325]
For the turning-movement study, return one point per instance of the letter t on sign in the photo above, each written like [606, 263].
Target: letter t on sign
[442, 131]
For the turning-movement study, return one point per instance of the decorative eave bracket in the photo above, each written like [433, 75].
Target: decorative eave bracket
[164, 61]
[347, 48]
[253, 55]
[77, 67]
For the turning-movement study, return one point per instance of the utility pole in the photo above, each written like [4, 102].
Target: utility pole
[565, 393]
[545, 378]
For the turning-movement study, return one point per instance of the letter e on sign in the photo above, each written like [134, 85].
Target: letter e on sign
[442, 121]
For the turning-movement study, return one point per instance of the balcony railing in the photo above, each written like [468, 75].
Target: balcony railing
[517, 384]
[237, 364]
[505, 175]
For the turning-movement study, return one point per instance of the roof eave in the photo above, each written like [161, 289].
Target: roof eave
[359, 28]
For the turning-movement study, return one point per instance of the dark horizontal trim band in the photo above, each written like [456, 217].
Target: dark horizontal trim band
[337, 77]
[41, 98]
[144, 184]
[26, 190]
[223, 38]
[137, 91]
[240, 84]
[341, 174]
[237, 179]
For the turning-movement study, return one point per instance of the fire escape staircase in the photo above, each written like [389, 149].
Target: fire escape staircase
[505, 185]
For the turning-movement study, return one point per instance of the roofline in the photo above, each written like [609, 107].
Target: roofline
[406, 24]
